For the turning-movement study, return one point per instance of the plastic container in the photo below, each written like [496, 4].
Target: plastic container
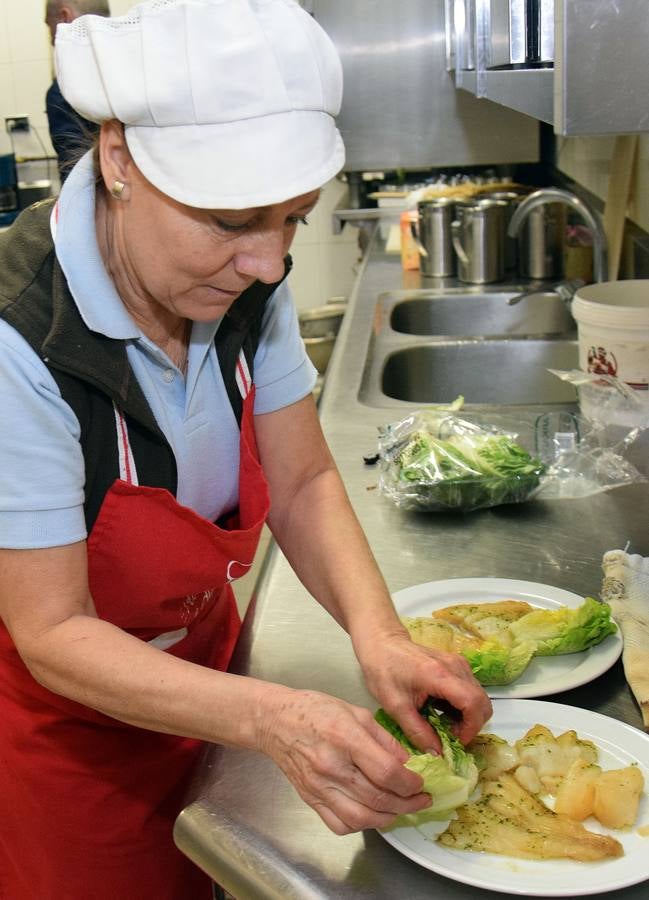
[613, 330]
[409, 252]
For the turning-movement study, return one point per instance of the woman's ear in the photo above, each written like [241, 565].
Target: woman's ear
[67, 13]
[115, 160]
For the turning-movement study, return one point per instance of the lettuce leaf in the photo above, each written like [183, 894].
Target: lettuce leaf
[492, 663]
[449, 778]
[565, 630]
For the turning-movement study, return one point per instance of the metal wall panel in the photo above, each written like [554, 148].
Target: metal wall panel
[401, 108]
[601, 70]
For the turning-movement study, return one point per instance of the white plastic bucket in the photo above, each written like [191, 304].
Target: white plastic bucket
[613, 330]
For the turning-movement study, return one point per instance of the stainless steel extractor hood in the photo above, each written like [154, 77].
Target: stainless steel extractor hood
[401, 108]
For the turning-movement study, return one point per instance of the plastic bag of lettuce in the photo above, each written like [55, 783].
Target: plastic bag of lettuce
[435, 461]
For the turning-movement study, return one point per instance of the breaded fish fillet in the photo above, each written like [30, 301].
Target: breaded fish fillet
[489, 621]
[439, 635]
[508, 820]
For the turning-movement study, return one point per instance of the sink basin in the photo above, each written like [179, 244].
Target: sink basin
[430, 346]
[468, 314]
[510, 372]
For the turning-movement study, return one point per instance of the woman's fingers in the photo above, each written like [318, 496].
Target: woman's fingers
[467, 697]
[382, 761]
[344, 765]
[353, 814]
[352, 822]
[353, 802]
[349, 768]
[417, 730]
[406, 674]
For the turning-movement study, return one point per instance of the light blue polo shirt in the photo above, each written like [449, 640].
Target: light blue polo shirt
[41, 463]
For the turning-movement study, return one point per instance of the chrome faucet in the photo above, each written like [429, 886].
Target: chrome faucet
[590, 217]
[565, 289]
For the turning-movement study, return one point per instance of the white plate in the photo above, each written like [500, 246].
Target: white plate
[545, 674]
[619, 745]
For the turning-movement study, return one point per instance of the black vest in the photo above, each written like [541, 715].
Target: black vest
[92, 371]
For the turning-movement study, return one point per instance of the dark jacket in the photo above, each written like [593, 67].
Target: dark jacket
[70, 133]
[91, 370]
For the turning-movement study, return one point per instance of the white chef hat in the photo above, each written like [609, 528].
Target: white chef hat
[227, 104]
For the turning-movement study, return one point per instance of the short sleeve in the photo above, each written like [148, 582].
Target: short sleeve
[283, 371]
[42, 470]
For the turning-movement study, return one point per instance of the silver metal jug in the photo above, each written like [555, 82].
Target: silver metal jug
[540, 242]
[432, 233]
[511, 199]
[478, 234]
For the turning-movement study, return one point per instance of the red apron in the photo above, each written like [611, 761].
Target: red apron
[87, 804]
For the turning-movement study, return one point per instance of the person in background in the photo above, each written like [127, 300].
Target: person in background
[157, 408]
[69, 132]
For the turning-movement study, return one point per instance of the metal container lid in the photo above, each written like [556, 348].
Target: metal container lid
[480, 204]
[438, 202]
[507, 196]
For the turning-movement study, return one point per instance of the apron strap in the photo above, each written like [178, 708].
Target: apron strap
[127, 470]
[242, 375]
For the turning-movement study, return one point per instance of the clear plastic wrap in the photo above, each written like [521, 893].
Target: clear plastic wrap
[434, 460]
[589, 452]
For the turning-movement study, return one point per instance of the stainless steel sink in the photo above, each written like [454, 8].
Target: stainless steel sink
[431, 345]
[509, 372]
[486, 313]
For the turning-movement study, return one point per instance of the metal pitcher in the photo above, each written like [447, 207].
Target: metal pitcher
[478, 235]
[541, 240]
[432, 233]
[511, 199]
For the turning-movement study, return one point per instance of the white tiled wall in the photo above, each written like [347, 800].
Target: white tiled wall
[25, 63]
[323, 262]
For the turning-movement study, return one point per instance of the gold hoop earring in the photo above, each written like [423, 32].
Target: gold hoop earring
[117, 189]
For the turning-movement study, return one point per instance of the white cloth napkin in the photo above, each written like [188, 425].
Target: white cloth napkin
[626, 589]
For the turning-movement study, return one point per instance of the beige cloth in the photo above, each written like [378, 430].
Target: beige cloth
[626, 589]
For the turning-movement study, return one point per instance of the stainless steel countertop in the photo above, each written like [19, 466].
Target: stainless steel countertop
[244, 824]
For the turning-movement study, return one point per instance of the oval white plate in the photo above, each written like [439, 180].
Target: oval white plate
[619, 745]
[545, 674]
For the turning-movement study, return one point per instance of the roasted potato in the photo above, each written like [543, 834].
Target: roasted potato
[575, 796]
[617, 795]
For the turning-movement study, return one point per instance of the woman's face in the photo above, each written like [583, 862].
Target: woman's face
[194, 263]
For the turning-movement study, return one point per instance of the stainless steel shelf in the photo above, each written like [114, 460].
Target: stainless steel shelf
[600, 80]
[467, 81]
[526, 90]
[364, 216]
[529, 91]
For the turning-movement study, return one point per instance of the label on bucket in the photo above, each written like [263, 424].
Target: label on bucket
[627, 361]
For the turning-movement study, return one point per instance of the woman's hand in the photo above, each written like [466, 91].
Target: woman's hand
[402, 674]
[340, 761]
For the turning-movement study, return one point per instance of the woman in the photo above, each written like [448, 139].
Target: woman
[139, 460]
